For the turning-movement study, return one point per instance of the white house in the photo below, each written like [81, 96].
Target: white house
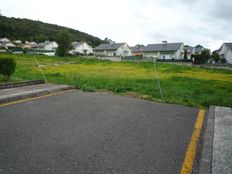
[9, 44]
[113, 50]
[2, 48]
[81, 48]
[164, 50]
[17, 42]
[47, 46]
[4, 40]
[190, 51]
[225, 51]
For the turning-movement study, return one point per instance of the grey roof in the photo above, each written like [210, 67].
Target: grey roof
[137, 49]
[162, 47]
[76, 44]
[189, 49]
[198, 49]
[108, 46]
[229, 45]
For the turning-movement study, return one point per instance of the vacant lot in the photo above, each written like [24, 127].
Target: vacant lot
[180, 84]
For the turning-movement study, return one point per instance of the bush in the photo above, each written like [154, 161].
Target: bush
[216, 56]
[223, 60]
[7, 67]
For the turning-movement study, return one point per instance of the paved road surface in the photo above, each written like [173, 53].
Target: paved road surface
[88, 133]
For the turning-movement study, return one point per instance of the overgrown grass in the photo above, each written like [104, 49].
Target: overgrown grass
[180, 84]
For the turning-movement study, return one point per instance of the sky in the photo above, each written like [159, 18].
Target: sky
[205, 22]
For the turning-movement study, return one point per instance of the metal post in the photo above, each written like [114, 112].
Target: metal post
[40, 69]
[157, 78]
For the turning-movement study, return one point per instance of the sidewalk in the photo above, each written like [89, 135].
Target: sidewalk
[217, 146]
[18, 93]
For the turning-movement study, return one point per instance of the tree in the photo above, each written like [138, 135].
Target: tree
[223, 60]
[199, 46]
[7, 67]
[185, 54]
[206, 53]
[215, 56]
[202, 58]
[107, 40]
[64, 43]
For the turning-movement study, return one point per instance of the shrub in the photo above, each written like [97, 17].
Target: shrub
[216, 56]
[223, 60]
[7, 67]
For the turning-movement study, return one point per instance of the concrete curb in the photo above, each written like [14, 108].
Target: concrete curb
[19, 84]
[33, 93]
[207, 149]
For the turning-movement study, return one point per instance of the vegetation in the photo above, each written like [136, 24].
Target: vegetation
[29, 30]
[215, 56]
[203, 57]
[185, 54]
[191, 86]
[7, 67]
[64, 41]
[223, 60]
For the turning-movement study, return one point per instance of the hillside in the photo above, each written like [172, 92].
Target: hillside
[25, 29]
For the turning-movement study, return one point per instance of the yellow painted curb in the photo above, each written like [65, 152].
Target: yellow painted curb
[190, 155]
[34, 98]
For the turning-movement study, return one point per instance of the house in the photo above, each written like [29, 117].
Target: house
[47, 46]
[26, 46]
[164, 51]
[4, 40]
[2, 48]
[9, 44]
[81, 48]
[137, 50]
[31, 43]
[225, 51]
[113, 50]
[17, 42]
[198, 50]
[190, 51]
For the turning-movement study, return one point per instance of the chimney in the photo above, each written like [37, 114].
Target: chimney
[164, 42]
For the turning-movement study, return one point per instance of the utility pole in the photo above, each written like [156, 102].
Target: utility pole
[157, 78]
[40, 69]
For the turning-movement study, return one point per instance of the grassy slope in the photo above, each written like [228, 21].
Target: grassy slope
[180, 84]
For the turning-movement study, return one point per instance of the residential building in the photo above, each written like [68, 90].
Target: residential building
[2, 48]
[190, 51]
[137, 50]
[47, 46]
[9, 44]
[4, 40]
[198, 50]
[225, 51]
[113, 50]
[82, 48]
[17, 42]
[164, 51]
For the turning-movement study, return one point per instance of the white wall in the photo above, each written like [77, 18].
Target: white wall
[227, 53]
[123, 51]
[83, 48]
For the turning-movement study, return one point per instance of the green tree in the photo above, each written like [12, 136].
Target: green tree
[7, 67]
[215, 56]
[64, 43]
[185, 54]
[205, 53]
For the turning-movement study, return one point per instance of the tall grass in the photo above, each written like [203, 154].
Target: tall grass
[180, 84]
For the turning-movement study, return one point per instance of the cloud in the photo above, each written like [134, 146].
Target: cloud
[134, 21]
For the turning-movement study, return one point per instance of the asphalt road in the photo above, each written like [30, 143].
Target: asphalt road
[88, 133]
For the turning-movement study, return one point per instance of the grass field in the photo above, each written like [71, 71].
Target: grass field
[180, 84]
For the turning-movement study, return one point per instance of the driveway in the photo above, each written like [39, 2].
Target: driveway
[88, 133]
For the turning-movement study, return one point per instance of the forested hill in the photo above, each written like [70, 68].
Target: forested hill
[30, 30]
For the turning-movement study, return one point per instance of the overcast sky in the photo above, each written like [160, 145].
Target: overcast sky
[205, 22]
